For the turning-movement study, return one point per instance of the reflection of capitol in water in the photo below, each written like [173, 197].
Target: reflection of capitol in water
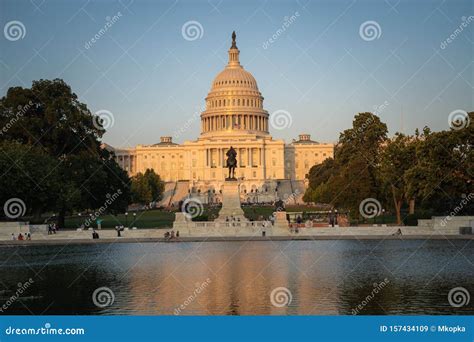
[324, 277]
[234, 116]
[241, 281]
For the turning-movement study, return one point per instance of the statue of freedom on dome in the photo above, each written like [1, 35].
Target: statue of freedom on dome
[231, 163]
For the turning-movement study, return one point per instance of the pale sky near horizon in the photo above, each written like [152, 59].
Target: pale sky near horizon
[321, 69]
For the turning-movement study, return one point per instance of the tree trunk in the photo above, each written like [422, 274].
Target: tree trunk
[398, 205]
[61, 218]
[412, 206]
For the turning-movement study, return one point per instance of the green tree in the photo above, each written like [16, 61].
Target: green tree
[29, 174]
[50, 115]
[444, 171]
[353, 174]
[399, 155]
[141, 191]
[157, 186]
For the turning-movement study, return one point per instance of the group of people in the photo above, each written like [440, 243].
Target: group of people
[119, 229]
[52, 228]
[171, 235]
[232, 219]
[21, 237]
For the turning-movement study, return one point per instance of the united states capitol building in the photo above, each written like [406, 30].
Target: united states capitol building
[267, 168]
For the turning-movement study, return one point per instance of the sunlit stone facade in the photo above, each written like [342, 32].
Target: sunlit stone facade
[234, 116]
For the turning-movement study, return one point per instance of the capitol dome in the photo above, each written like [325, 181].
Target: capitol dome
[234, 103]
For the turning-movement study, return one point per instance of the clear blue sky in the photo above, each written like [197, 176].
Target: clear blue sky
[320, 70]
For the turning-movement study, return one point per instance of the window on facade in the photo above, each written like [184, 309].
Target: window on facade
[194, 162]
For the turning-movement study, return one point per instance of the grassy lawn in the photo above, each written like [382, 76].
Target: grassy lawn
[144, 219]
[164, 219]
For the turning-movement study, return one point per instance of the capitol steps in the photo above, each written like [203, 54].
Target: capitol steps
[181, 192]
[167, 194]
[285, 192]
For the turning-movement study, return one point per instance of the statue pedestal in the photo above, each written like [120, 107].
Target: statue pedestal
[231, 210]
[280, 226]
[181, 221]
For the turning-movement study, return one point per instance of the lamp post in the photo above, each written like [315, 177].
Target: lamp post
[335, 218]
[134, 218]
[126, 219]
[383, 217]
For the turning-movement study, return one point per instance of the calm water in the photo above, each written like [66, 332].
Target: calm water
[324, 277]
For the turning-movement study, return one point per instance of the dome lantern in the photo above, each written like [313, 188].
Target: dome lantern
[234, 54]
